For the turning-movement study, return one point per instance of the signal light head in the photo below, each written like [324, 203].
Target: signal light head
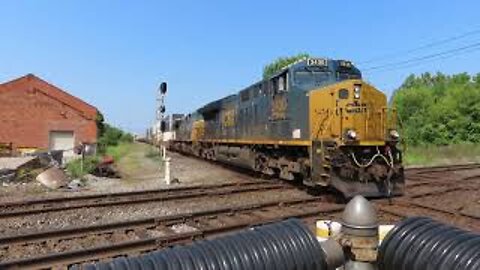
[163, 88]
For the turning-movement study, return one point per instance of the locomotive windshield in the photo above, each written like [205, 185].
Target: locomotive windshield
[316, 72]
[346, 71]
[311, 76]
[347, 75]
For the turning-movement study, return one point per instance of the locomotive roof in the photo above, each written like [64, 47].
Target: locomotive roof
[216, 105]
[305, 62]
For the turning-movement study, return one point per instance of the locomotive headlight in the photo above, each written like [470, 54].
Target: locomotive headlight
[394, 134]
[356, 91]
[351, 134]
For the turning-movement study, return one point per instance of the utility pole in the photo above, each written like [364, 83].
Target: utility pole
[161, 127]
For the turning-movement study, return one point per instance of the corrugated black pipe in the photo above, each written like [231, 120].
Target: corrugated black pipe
[420, 243]
[287, 245]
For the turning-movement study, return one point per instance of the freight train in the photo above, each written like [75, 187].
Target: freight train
[315, 121]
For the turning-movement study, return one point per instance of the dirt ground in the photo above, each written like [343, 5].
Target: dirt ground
[141, 169]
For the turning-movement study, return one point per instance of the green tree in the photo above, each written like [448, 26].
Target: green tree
[439, 109]
[100, 121]
[281, 62]
[476, 79]
[112, 136]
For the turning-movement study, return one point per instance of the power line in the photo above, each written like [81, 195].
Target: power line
[426, 46]
[435, 56]
[428, 61]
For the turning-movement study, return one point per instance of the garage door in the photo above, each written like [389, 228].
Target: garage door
[62, 140]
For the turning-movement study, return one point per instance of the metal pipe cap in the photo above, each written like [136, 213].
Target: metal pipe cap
[359, 214]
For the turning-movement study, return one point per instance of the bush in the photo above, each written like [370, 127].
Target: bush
[74, 167]
[127, 137]
[112, 136]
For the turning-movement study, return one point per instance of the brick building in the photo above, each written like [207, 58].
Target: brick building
[35, 114]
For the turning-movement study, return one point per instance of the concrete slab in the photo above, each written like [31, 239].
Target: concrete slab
[53, 178]
[13, 163]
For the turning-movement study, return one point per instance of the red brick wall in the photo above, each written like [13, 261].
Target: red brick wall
[27, 115]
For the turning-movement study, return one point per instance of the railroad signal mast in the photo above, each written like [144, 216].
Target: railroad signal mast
[161, 128]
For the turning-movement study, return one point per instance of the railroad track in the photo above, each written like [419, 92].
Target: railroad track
[29, 207]
[438, 186]
[444, 168]
[155, 232]
[427, 190]
[440, 179]
[78, 245]
[404, 208]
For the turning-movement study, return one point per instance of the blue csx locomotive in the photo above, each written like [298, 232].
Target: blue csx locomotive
[315, 121]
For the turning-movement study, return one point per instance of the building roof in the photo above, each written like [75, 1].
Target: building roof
[52, 91]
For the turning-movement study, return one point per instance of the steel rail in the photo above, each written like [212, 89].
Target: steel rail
[76, 232]
[138, 200]
[405, 203]
[441, 186]
[442, 168]
[124, 194]
[410, 207]
[149, 244]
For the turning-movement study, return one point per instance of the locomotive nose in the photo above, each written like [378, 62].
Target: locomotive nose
[368, 115]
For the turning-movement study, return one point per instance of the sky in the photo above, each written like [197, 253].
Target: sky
[114, 54]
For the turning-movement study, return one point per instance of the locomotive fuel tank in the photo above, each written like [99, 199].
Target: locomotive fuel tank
[234, 155]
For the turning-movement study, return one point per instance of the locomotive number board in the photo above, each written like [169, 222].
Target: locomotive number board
[316, 62]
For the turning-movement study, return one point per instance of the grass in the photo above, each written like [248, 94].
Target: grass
[74, 167]
[153, 153]
[140, 161]
[118, 151]
[441, 155]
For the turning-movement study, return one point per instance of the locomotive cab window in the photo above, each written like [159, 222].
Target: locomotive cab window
[245, 95]
[343, 94]
[280, 83]
[256, 91]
